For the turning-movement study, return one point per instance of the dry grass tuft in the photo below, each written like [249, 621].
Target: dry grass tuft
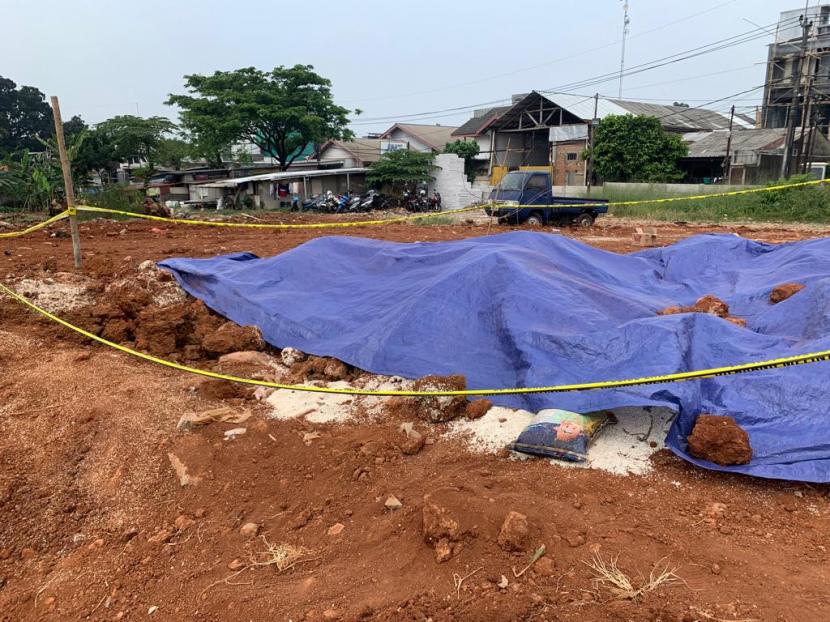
[283, 556]
[608, 573]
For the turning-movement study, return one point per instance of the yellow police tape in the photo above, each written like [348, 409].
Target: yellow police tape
[399, 219]
[275, 225]
[800, 359]
[33, 228]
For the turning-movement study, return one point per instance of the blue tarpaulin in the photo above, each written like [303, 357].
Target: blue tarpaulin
[524, 309]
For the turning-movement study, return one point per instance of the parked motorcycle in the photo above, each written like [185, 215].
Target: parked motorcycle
[373, 200]
[417, 201]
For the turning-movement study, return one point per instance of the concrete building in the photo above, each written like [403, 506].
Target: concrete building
[786, 71]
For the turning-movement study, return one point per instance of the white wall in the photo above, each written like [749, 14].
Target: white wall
[337, 153]
[451, 182]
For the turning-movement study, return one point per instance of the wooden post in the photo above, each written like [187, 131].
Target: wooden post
[67, 183]
[727, 161]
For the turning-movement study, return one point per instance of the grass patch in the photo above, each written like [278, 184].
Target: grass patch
[810, 204]
[116, 196]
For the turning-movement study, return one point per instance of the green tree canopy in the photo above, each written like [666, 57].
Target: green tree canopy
[629, 148]
[401, 168]
[129, 136]
[282, 111]
[464, 149]
[24, 116]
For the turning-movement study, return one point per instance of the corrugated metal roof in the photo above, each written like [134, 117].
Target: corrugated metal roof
[282, 176]
[713, 145]
[675, 117]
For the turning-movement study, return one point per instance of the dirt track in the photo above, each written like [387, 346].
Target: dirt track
[94, 523]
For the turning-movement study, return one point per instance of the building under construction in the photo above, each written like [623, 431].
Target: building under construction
[797, 87]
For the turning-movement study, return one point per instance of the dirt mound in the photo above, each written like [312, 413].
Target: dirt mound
[712, 305]
[434, 409]
[720, 440]
[780, 293]
[707, 304]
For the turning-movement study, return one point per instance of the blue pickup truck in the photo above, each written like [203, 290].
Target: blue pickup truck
[527, 197]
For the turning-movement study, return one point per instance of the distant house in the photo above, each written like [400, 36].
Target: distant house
[551, 132]
[755, 155]
[420, 137]
[357, 153]
[476, 129]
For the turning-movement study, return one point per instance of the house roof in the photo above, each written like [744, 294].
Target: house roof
[479, 123]
[678, 118]
[283, 176]
[434, 136]
[364, 149]
[713, 144]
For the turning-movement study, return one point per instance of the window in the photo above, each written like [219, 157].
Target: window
[571, 157]
[537, 182]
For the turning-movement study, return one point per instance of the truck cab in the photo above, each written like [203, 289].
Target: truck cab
[527, 197]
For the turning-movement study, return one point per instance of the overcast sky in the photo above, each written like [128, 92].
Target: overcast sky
[387, 57]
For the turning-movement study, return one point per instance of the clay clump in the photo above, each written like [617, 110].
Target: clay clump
[719, 439]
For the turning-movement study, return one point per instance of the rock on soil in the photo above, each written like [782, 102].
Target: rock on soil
[434, 409]
[441, 530]
[249, 530]
[216, 389]
[231, 337]
[413, 442]
[781, 292]
[477, 409]
[292, 356]
[514, 532]
[720, 440]
[318, 368]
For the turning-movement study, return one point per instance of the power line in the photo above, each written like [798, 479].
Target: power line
[568, 88]
[715, 46]
[546, 63]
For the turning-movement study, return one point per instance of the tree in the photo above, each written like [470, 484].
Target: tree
[282, 111]
[629, 148]
[467, 150]
[680, 104]
[24, 115]
[401, 168]
[127, 136]
[174, 151]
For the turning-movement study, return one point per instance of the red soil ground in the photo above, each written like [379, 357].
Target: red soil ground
[95, 524]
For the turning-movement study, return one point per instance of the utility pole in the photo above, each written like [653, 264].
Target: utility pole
[67, 183]
[805, 115]
[795, 110]
[727, 161]
[626, 21]
[589, 169]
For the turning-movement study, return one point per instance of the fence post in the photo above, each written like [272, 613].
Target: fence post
[67, 183]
